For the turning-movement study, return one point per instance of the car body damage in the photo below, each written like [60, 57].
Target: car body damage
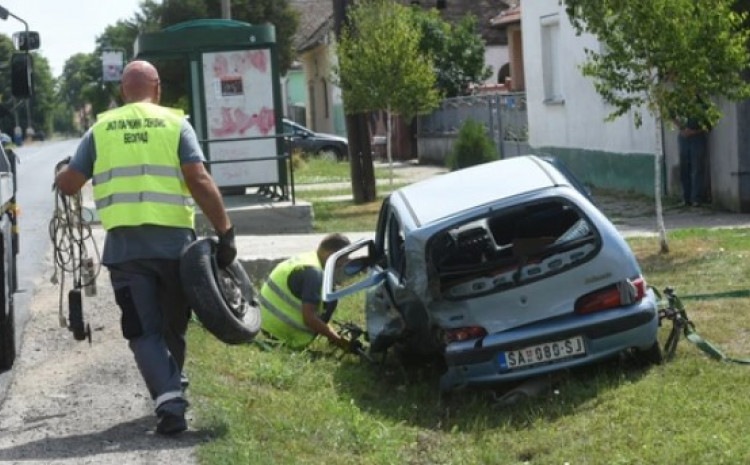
[503, 271]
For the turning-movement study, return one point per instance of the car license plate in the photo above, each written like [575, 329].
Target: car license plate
[542, 353]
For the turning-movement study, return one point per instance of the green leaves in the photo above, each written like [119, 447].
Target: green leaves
[665, 56]
[457, 51]
[380, 65]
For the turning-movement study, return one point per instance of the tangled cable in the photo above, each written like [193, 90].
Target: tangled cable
[75, 250]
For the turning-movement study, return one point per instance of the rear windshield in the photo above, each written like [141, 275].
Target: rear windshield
[510, 248]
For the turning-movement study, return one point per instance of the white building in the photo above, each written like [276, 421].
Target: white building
[566, 114]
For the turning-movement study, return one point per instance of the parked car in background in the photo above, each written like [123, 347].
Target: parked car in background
[501, 271]
[316, 143]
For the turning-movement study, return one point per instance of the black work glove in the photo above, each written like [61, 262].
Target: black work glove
[226, 252]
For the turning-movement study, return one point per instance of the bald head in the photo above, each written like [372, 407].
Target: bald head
[140, 82]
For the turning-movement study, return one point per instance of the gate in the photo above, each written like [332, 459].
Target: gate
[503, 115]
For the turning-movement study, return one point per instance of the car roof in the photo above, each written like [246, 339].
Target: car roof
[451, 193]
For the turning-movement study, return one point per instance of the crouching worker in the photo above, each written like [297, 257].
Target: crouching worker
[291, 307]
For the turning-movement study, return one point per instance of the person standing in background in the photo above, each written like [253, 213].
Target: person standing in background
[692, 142]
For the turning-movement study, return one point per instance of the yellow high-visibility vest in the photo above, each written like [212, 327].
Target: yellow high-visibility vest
[280, 310]
[137, 176]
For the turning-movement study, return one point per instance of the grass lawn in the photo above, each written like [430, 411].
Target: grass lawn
[318, 406]
[334, 209]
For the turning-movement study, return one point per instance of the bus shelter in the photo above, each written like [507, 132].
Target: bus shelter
[224, 74]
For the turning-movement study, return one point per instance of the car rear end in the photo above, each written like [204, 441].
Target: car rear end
[538, 283]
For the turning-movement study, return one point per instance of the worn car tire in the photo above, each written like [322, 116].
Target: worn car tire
[331, 154]
[7, 341]
[651, 356]
[223, 300]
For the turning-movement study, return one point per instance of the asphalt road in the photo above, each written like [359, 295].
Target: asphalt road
[36, 200]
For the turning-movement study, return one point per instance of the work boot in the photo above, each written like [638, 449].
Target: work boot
[170, 424]
[171, 417]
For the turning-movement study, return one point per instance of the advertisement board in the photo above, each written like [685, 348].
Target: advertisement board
[240, 115]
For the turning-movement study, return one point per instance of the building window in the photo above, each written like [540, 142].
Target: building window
[550, 27]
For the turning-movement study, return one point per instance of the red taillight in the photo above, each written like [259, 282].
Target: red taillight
[623, 293]
[464, 334]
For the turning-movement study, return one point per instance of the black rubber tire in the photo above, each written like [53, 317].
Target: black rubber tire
[651, 356]
[331, 153]
[7, 341]
[223, 300]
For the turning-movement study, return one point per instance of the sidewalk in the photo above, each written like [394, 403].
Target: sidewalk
[636, 216]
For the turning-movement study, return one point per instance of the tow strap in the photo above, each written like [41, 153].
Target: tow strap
[671, 308]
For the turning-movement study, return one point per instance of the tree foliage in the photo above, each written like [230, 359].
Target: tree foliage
[457, 51]
[13, 111]
[43, 101]
[277, 12]
[667, 56]
[380, 65]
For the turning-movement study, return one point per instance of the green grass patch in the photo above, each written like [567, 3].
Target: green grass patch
[335, 211]
[318, 406]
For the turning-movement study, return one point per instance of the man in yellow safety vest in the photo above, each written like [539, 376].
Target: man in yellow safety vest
[147, 170]
[290, 300]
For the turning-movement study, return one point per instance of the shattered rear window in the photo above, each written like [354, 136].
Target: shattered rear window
[511, 247]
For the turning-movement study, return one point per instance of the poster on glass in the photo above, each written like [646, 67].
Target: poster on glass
[238, 90]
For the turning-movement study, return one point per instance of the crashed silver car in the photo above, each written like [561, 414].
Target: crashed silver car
[504, 270]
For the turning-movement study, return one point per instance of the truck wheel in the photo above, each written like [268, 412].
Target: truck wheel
[223, 300]
[7, 340]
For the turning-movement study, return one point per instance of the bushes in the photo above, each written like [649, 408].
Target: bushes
[472, 147]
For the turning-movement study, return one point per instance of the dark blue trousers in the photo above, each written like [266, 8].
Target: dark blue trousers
[693, 153]
[154, 320]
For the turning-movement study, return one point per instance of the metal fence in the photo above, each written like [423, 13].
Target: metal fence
[503, 115]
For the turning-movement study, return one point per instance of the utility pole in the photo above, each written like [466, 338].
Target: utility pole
[226, 9]
[357, 132]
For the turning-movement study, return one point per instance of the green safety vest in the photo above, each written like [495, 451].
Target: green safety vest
[137, 176]
[280, 310]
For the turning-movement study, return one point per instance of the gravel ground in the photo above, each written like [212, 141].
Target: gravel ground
[74, 403]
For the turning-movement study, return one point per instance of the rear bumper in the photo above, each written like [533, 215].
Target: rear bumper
[605, 334]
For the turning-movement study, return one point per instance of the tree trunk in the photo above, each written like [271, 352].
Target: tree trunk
[663, 245]
[357, 132]
[389, 145]
[360, 156]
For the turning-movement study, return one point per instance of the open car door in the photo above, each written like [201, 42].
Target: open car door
[344, 267]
